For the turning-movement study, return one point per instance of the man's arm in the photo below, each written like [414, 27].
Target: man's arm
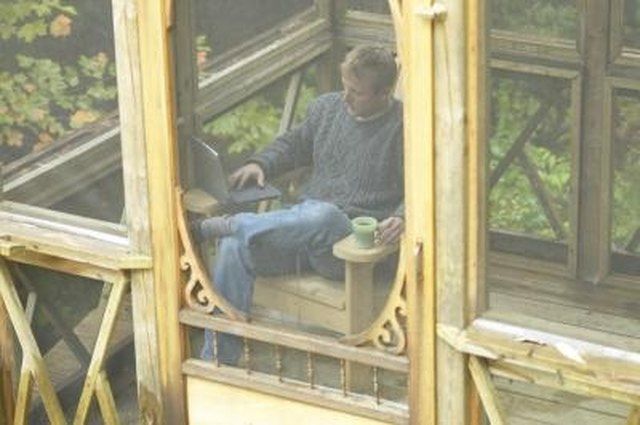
[291, 149]
[288, 151]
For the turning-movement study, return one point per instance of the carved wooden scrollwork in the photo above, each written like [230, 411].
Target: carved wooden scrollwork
[199, 291]
[388, 331]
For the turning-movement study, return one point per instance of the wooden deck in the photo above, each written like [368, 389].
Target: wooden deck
[606, 314]
[527, 404]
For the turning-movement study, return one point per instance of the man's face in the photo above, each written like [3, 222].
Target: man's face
[360, 95]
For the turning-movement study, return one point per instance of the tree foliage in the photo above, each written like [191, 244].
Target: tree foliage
[626, 168]
[254, 123]
[515, 98]
[513, 204]
[547, 18]
[42, 97]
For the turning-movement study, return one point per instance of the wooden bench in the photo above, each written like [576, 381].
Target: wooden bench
[309, 299]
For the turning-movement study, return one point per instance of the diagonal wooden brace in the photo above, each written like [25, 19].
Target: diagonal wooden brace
[487, 391]
[96, 381]
[33, 368]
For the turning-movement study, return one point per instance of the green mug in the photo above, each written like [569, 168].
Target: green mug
[364, 230]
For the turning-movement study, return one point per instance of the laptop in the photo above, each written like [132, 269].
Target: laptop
[211, 177]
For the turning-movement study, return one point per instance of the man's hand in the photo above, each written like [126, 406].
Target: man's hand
[251, 172]
[390, 230]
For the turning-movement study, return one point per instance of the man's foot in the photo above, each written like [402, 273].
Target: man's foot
[216, 227]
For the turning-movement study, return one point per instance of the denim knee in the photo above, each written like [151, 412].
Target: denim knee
[324, 215]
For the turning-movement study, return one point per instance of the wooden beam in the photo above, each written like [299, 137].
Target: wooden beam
[328, 72]
[476, 113]
[364, 27]
[551, 379]
[134, 164]
[96, 367]
[324, 346]
[24, 394]
[227, 87]
[10, 248]
[87, 243]
[518, 144]
[52, 316]
[549, 358]
[419, 154]
[451, 164]
[634, 416]
[67, 266]
[106, 402]
[184, 49]
[290, 101]
[7, 365]
[66, 173]
[488, 392]
[541, 192]
[161, 166]
[34, 368]
[595, 174]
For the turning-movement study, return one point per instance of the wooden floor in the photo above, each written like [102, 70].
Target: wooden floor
[607, 314]
[532, 405]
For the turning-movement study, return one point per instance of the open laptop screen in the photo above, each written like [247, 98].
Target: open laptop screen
[211, 177]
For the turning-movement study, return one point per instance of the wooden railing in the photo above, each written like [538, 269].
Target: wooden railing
[73, 245]
[346, 396]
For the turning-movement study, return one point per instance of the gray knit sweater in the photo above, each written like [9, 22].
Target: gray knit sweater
[357, 165]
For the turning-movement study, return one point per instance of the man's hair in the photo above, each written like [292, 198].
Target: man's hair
[374, 61]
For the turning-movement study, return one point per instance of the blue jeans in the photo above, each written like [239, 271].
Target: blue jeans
[278, 242]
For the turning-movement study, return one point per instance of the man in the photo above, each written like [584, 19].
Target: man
[353, 141]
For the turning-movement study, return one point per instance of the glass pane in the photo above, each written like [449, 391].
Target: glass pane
[625, 226]
[374, 6]
[546, 18]
[631, 19]
[57, 95]
[530, 164]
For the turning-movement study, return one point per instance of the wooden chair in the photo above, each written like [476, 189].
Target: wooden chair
[308, 299]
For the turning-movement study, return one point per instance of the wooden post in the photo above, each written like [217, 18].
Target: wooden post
[595, 174]
[476, 113]
[186, 73]
[6, 367]
[160, 134]
[420, 201]
[148, 143]
[451, 202]
[134, 166]
[328, 75]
